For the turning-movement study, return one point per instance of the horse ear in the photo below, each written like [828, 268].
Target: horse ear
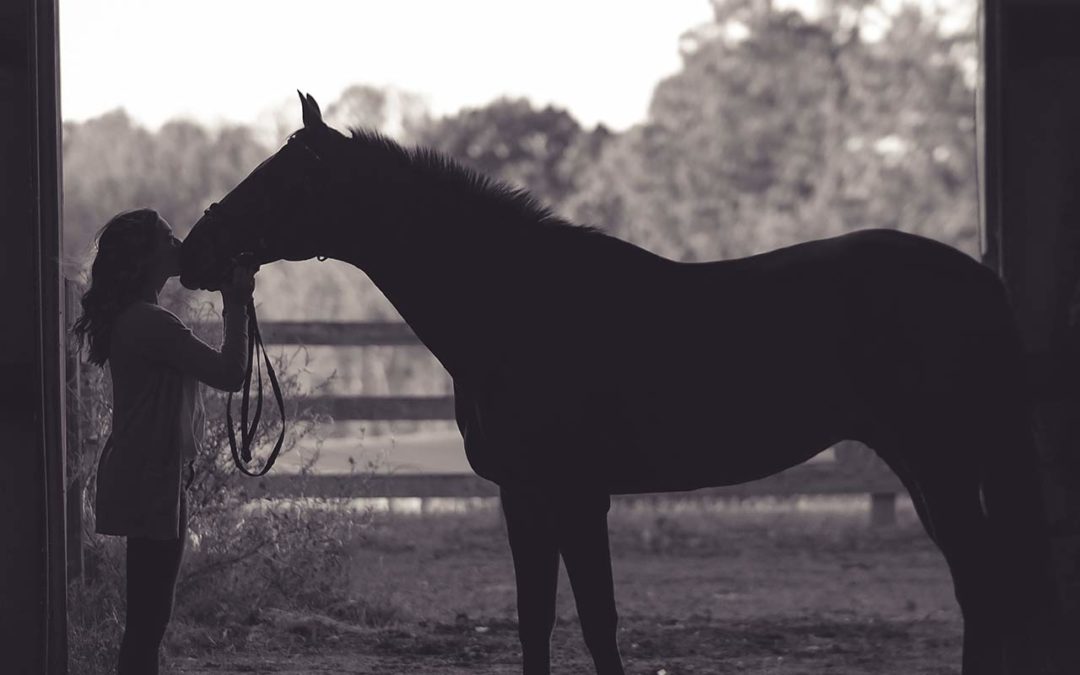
[312, 114]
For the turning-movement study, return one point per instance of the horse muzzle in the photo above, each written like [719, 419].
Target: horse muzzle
[200, 274]
[205, 270]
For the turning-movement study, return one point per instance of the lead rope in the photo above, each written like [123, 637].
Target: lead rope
[247, 436]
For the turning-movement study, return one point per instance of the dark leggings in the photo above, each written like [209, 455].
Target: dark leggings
[152, 568]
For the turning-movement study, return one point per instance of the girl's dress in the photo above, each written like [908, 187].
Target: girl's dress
[156, 363]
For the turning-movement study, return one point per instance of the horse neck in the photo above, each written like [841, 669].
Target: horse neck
[432, 260]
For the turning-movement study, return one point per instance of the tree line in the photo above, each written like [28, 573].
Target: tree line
[777, 128]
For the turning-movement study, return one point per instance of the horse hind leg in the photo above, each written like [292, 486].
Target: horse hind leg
[944, 490]
[995, 569]
[1012, 495]
[961, 530]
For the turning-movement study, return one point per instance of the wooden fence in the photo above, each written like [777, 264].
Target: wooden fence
[855, 469]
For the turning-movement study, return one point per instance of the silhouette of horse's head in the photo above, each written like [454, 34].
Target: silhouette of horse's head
[271, 215]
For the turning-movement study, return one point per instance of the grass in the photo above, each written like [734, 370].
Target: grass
[773, 585]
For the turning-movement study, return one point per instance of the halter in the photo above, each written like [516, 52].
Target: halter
[242, 455]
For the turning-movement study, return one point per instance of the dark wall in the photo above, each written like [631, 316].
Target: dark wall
[1032, 218]
[32, 583]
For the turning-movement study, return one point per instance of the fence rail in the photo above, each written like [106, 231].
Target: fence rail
[392, 408]
[813, 478]
[333, 333]
[856, 470]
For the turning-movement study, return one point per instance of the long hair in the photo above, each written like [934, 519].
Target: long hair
[117, 275]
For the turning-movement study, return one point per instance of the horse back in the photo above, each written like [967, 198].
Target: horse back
[657, 375]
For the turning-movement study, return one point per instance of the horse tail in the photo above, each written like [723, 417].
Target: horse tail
[1010, 470]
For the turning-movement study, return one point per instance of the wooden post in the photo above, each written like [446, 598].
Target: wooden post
[882, 509]
[862, 465]
[1030, 105]
[33, 619]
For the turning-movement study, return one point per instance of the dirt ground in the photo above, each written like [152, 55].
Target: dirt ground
[775, 589]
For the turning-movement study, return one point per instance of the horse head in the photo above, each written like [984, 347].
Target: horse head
[276, 213]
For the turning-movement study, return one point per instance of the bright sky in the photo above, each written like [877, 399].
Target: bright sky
[217, 60]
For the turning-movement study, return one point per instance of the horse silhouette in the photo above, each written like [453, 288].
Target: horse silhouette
[584, 366]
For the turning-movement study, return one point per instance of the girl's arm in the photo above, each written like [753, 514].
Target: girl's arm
[165, 339]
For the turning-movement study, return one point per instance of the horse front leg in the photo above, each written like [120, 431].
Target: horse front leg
[583, 541]
[530, 526]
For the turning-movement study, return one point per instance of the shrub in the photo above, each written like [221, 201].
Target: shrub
[243, 556]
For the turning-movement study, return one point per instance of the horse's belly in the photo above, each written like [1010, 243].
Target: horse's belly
[708, 439]
[679, 463]
[656, 429]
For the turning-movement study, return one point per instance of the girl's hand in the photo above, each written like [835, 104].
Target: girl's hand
[239, 290]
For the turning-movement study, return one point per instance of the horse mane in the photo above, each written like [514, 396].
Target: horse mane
[441, 173]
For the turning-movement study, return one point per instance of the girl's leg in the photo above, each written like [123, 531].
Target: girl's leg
[152, 569]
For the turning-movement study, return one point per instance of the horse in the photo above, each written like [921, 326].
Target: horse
[584, 366]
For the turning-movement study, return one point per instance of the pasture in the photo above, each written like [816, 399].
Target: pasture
[793, 585]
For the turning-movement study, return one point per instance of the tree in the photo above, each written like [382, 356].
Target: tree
[392, 111]
[103, 160]
[112, 164]
[541, 150]
[780, 128]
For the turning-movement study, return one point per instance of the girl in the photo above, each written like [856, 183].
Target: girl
[155, 363]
